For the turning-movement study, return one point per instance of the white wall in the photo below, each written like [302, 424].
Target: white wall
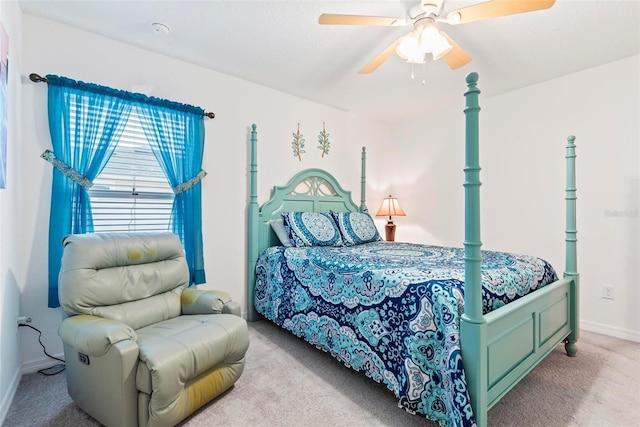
[51, 48]
[601, 107]
[11, 267]
[522, 139]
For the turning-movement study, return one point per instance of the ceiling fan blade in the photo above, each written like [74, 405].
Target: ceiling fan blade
[456, 57]
[385, 21]
[495, 8]
[378, 60]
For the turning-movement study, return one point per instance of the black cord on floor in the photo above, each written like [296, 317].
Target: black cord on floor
[53, 370]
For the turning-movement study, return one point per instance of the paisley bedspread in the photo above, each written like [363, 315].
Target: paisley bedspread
[392, 311]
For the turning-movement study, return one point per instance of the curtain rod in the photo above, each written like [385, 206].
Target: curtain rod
[39, 79]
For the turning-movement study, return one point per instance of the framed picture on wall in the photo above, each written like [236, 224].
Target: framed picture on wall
[4, 77]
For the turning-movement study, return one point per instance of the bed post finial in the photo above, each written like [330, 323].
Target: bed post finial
[363, 181]
[571, 257]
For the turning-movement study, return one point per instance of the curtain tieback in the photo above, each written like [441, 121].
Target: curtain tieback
[181, 188]
[67, 170]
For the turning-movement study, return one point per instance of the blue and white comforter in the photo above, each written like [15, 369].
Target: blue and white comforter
[392, 311]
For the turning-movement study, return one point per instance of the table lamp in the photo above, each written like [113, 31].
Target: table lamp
[390, 207]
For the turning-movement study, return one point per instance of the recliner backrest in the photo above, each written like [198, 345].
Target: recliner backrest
[134, 278]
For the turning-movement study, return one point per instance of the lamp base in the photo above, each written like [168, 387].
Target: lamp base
[390, 231]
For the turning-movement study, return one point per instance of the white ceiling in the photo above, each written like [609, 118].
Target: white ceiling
[279, 44]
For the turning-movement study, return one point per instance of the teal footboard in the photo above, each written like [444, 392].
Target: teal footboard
[523, 333]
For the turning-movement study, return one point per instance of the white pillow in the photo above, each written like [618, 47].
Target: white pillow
[278, 227]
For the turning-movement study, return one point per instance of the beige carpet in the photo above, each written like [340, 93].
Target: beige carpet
[289, 383]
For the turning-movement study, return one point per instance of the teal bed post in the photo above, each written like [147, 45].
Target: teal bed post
[473, 327]
[252, 231]
[363, 180]
[571, 257]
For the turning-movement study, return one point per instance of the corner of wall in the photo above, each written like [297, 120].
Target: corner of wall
[10, 220]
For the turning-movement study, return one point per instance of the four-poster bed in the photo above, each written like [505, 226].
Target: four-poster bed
[410, 323]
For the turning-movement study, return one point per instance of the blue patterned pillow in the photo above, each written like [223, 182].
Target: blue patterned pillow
[311, 229]
[356, 227]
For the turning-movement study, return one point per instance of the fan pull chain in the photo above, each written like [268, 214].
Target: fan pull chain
[424, 73]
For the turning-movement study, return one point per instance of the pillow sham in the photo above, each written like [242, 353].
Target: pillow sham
[278, 227]
[356, 227]
[311, 229]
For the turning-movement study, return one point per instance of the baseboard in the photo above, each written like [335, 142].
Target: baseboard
[599, 328]
[36, 365]
[8, 397]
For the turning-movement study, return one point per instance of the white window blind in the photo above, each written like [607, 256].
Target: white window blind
[132, 193]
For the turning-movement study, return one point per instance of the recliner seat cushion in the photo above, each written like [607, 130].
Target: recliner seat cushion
[175, 352]
[146, 273]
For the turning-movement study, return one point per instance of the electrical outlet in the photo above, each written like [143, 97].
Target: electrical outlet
[24, 320]
[608, 292]
[83, 358]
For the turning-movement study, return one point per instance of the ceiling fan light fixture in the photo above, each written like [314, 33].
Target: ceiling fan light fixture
[409, 48]
[414, 46]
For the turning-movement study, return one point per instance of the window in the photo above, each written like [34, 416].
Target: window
[132, 193]
[106, 177]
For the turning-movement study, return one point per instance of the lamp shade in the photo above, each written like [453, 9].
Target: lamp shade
[390, 207]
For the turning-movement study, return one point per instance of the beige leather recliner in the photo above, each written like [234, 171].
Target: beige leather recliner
[142, 348]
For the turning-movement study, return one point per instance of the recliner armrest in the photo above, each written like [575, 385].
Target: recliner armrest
[94, 335]
[232, 307]
[201, 301]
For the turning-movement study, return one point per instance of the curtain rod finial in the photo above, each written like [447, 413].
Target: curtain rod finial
[210, 115]
[37, 78]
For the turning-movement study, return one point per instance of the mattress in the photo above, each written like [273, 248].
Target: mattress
[392, 311]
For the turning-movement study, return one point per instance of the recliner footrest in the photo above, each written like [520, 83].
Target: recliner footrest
[187, 350]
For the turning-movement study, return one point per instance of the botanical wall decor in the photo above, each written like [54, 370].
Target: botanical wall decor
[298, 144]
[323, 139]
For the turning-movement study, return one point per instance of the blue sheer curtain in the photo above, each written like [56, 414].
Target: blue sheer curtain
[176, 135]
[85, 123]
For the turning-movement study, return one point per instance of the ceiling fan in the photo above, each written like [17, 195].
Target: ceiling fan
[426, 37]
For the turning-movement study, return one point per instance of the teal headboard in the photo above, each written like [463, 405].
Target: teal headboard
[311, 190]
